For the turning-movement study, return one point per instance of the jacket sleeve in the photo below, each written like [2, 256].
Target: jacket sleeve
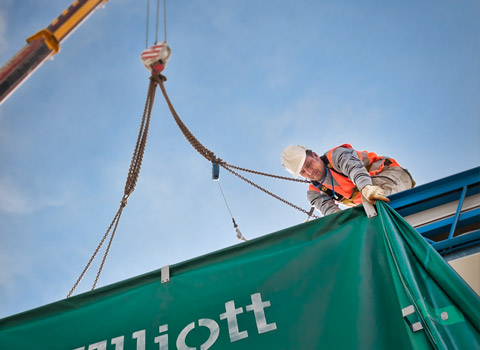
[346, 161]
[322, 202]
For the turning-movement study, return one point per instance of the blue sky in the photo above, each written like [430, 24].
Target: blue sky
[248, 78]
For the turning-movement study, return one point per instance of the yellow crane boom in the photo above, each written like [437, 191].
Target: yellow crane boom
[43, 45]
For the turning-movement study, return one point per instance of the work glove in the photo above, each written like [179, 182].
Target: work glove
[373, 194]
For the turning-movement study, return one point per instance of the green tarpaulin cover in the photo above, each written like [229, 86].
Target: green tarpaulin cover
[340, 282]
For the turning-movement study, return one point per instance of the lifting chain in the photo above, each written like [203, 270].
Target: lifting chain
[209, 155]
[136, 163]
[227, 167]
[130, 184]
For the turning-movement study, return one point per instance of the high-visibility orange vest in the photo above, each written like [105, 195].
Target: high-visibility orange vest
[342, 185]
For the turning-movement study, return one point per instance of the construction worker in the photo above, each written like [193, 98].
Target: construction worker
[343, 175]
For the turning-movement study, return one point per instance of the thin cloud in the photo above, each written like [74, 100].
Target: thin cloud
[11, 200]
[15, 201]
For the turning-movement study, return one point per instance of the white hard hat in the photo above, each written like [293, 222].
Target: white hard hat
[293, 158]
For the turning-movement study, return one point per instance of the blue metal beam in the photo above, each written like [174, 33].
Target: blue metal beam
[434, 194]
[435, 228]
[458, 241]
[457, 213]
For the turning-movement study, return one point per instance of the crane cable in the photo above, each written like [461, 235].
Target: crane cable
[237, 229]
[132, 177]
[156, 21]
[209, 155]
[147, 23]
[165, 20]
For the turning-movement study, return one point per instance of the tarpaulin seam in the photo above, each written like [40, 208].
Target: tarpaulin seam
[427, 258]
[405, 286]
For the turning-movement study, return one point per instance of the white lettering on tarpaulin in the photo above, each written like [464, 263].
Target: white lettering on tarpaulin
[231, 315]
[204, 322]
[118, 342]
[214, 332]
[258, 307]
[183, 335]
[140, 336]
[162, 340]
[98, 346]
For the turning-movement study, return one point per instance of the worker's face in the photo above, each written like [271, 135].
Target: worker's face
[313, 168]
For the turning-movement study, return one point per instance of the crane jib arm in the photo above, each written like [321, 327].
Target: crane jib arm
[42, 45]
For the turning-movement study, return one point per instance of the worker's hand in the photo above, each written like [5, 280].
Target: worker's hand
[373, 194]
